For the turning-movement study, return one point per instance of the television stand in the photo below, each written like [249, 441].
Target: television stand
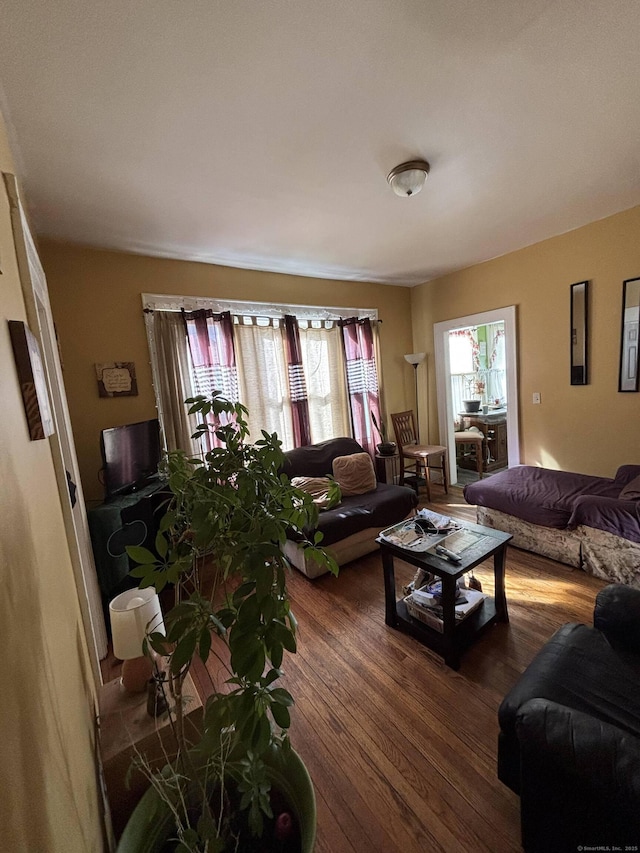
[130, 519]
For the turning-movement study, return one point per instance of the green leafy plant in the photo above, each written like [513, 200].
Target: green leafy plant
[334, 494]
[219, 543]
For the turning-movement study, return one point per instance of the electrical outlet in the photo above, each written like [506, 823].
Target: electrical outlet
[536, 398]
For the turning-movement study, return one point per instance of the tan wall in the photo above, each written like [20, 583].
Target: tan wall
[97, 308]
[591, 428]
[48, 775]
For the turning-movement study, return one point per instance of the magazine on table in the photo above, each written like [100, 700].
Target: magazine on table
[467, 600]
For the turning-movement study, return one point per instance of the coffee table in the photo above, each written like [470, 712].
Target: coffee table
[456, 635]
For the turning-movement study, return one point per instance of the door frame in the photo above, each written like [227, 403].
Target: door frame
[443, 386]
[40, 319]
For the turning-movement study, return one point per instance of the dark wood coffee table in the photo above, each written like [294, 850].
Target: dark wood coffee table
[456, 635]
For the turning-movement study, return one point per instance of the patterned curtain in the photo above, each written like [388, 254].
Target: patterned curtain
[362, 380]
[471, 334]
[213, 361]
[297, 384]
[464, 353]
[496, 364]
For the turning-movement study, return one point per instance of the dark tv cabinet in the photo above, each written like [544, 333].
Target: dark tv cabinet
[131, 519]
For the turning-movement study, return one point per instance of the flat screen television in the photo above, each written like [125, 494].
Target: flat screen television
[130, 456]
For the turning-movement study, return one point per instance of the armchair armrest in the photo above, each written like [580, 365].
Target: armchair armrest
[625, 474]
[580, 783]
[620, 517]
[617, 615]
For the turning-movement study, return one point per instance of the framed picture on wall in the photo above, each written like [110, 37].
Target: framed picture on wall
[579, 333]
[32, 379]
[117, 379]
[629, 336]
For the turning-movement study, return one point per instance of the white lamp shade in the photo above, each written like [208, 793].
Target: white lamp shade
[132, 614]
[415, 357]
[407, 179]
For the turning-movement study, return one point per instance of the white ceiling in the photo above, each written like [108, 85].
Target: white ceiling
[259, 133]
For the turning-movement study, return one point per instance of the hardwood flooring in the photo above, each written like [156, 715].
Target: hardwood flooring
[401, 749]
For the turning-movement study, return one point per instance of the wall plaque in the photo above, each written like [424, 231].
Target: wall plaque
[117, 379]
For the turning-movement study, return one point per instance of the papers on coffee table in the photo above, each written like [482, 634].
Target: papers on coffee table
[406, 534]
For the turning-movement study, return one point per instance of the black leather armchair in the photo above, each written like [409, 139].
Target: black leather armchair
[569, 740]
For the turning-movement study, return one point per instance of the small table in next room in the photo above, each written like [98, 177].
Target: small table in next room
[456, 636]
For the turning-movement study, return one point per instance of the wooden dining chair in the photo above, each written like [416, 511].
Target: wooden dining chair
[471, 445]
[421, 457]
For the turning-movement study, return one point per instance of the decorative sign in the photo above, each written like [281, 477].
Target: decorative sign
[33, 382]
[117, 379]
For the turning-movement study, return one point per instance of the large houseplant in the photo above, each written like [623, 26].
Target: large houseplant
[220, 544]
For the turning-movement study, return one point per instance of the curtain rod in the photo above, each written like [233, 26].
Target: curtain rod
[174, 303]
[311, 319]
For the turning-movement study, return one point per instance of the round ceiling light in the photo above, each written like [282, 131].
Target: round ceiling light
[408, 178]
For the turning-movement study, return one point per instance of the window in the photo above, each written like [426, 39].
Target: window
[289, 371]
[323, 363]
[477, 366]
[264, 386]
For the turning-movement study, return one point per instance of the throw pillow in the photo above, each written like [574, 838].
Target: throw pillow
[324, 490]
[631, 491]
[355, 473]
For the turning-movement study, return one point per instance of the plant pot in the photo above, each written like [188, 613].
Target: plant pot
[152, 824]
[386, 448]
[471, 405]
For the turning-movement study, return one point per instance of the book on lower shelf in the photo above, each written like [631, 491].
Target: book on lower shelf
[425, 608]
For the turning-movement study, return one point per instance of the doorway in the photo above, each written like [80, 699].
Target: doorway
[475, 383]
[36, 297]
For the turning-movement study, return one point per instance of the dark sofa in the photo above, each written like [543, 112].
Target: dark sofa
[569, 741]
[350, 529]
[577, 519]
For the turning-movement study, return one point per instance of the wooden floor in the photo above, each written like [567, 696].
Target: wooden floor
[401, 749]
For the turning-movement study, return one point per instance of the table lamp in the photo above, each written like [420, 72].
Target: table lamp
[133, 614]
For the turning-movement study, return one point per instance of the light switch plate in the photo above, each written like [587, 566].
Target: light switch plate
[536, 398]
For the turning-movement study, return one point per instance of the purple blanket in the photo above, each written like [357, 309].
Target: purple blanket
[610, 514]
[561, 499]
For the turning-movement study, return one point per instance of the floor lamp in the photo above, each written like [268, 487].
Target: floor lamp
[416, 358]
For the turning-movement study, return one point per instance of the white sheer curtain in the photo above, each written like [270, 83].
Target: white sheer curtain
[262, 370]
[172, 378]
[323, 362]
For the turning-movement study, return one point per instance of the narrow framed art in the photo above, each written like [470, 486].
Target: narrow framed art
[33, 380]
[630, 336]
[580, 333]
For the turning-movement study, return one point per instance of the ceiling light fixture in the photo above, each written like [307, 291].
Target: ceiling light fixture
[408, 178]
